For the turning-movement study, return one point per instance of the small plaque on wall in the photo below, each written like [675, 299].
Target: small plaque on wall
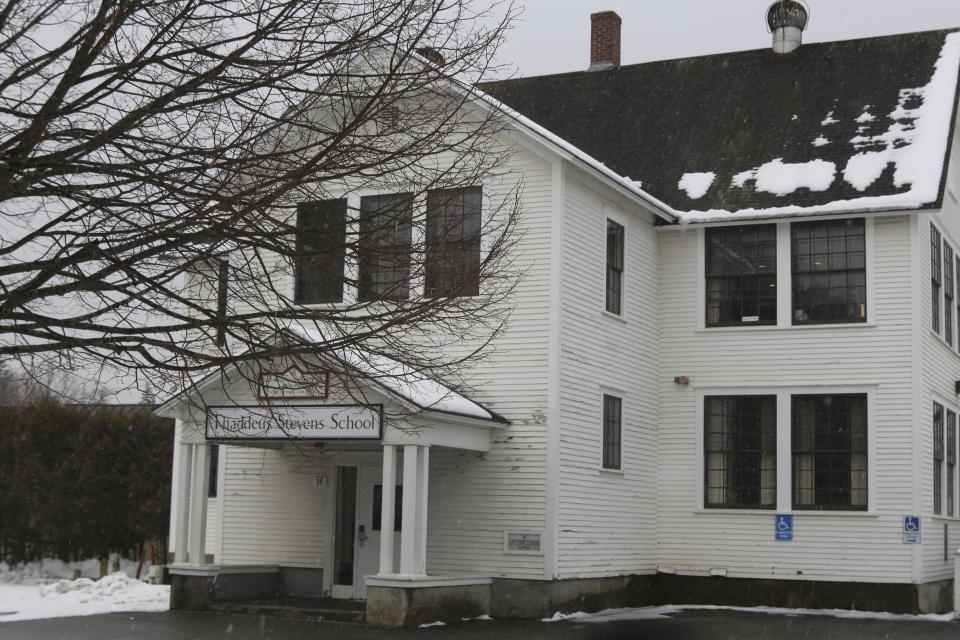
[518, 542]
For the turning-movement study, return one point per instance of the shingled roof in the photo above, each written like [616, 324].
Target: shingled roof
[856, 125]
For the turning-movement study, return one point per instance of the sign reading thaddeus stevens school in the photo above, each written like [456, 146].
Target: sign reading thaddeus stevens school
[342, 422]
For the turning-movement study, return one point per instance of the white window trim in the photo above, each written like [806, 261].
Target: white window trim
[947, 405]
[784, 452]
[784, 280]
[945, 239]
[614, 215]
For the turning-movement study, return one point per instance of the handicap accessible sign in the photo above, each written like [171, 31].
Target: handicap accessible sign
[911, 529]
[783, 527]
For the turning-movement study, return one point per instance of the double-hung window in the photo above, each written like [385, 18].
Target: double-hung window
[612, 427]
[827, 457]
[615, 250]
[948, 293]
[935, 275]
[828, 260]
[951, 460]
[741, 275]
[384, 247]
[829, 451]
[740, 452]
[937, 458]
[453, 242]
[320, 251]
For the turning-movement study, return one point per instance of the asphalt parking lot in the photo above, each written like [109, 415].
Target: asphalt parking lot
[692, 624]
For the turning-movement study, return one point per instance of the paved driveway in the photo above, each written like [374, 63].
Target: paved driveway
[713, 625]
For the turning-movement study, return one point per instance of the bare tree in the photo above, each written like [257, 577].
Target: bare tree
[179, 183]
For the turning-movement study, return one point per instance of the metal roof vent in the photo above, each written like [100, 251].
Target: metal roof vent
[786, 20]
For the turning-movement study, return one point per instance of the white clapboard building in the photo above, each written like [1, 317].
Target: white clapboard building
[731, 374]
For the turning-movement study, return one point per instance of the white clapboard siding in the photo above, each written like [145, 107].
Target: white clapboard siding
[827, 546]
[606, 519]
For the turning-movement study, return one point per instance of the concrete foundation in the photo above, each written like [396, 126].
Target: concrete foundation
[541, 598]
[193, 589]
[409, 605]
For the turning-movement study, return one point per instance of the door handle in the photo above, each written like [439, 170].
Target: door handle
[361, 534]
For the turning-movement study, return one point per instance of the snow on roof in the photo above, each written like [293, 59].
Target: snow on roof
[848, 126]
[420, 390]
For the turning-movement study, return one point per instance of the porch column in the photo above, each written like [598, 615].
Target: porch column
[199, 488]
[408, 525]
[387, 508]
[182, 516]
[423, 462]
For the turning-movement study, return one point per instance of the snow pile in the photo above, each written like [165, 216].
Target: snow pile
[47, 570]
[81, 597]
[696, 184]
[782, 178]
[427, 625]
[654, 613]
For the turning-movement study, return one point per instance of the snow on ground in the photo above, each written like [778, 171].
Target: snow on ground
[653, 613]
[45, 590]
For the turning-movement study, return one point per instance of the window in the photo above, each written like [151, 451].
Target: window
[453, 242]
[321, 235]
[378, 505]
[741, 275]
[612, 411]
[951, 459]
[948, 293]
[937, 458]
[828, 261]
[829, 444]
[213, 489]
[384, 248]
[740, 452]
[957, 298]
[223, 274]
[615, 236]
[935, 279]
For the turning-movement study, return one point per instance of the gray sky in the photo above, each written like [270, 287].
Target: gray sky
[553, 36]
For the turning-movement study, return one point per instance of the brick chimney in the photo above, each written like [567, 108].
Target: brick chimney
[604, 40]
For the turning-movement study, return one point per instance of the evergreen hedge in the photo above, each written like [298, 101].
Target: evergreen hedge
[81, 482]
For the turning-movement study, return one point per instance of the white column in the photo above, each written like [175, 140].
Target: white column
[423, 462]
[387, 508]
[408, 525]
[200, 486]
[182, 501]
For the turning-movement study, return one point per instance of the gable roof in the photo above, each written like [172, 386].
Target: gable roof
[856, 125]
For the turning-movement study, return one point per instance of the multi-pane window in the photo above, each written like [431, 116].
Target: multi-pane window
[212, 488]
[937, 458]
[957, 297]
[828, 260]
[612, 420]
[741, 275]
[453, 242]
[951, 459]
[740, 452]
[321, 236]
[829, 445]
[935, 275]
[615, 238]
[384, 249]
[948, 293]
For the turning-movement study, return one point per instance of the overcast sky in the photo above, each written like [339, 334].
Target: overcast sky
[553, 36]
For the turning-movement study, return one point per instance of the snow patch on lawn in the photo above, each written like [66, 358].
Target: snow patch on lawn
[30, 592]
[653, 613]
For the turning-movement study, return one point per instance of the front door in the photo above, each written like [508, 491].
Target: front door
[356, 546]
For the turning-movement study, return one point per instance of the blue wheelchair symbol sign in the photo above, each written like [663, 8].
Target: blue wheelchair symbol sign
[911, 529]
[783, 527]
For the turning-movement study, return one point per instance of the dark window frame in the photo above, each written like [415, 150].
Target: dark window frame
[829, 452]
[740, 275]
[743, 469]
[951, 427]
[828, 270]
[213, 488]
[938, 423]
[948, 289]
[384, 247]
[616, 253]
[320, 251]
[935, 278]
[454, 228]
[612, 442]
